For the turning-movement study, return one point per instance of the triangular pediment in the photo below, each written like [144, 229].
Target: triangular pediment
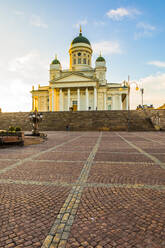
[73, 77]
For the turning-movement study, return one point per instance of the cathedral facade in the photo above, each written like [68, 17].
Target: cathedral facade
[81, 87]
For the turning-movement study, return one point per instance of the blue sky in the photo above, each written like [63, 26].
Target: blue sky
[129, 33]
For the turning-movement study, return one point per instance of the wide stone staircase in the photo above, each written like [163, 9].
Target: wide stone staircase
[97, 120]
[114, 120]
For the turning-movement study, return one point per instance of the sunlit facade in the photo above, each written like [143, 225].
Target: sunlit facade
[81, 87]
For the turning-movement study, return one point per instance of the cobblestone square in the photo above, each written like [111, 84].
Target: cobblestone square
[84, 189]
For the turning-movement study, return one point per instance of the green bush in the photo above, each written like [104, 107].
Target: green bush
[17, 129]
[11, 129]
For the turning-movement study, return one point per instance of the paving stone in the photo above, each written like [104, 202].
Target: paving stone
[117, 200]
[34, 209]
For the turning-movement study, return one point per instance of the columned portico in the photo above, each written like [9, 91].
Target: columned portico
[87, 98]
[61, 100]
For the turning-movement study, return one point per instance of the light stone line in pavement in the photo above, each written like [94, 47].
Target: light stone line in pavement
[156, 160]
[119, 162]
[9, 159]
[159, 142]
[30, 182]
[119, 185]
[20, 162]
[118, 152]
[58, 161]
[60, 230]
[72, 151]
[84, 185]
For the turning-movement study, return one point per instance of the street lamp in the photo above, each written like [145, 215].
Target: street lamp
[35, 117]
[127, 85]
[142, 93]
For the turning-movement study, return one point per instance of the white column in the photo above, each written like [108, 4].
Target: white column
[120, 102]
[113, 102]
[61, 100]
[126, 102]
[95, 98]
[87, 100]
[105, 101]
[78, 99]
[68, 98]
[52, 99]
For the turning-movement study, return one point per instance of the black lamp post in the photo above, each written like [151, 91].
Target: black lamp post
[35, 118]
[142, 93]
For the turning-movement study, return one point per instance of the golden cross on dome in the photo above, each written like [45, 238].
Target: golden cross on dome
[80, 29]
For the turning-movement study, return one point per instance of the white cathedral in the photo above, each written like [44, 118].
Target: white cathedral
[81, 87]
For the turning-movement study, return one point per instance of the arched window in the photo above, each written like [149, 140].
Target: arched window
[79, 61]
[74, 61]
[84, 61]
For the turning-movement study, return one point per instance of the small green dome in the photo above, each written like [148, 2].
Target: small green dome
[100, 59]
[80, 39]
[55, 61]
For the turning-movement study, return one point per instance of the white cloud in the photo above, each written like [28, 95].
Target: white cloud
[22, 72]
[37, 22]
[19, 13]
[120, 13]
[81, 22]
[31, 64]
[157, 63]
[146, 30]
[106, 47]
[99, 23]
[145, 26]
[154, 91]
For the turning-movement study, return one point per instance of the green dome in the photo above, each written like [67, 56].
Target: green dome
[80, 39]
[55, 62]
[100, 59]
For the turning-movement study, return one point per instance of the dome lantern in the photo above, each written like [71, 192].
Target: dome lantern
[100, 61]
[100, 58]
[55, 61]
[80, 53]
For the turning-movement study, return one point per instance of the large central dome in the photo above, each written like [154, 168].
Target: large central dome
[80, 53]
[80, 39]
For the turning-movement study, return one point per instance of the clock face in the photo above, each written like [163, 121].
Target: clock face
[79, 54]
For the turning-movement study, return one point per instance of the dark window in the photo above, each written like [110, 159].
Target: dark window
[79, 54]
[84, 61]
[79, 61]
[74, 61]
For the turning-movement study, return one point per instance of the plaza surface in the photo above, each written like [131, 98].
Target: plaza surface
[84, 189]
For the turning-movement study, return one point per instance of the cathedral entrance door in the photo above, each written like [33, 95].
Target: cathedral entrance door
[74, 104]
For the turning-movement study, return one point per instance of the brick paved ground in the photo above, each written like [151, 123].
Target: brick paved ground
[84, 189]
